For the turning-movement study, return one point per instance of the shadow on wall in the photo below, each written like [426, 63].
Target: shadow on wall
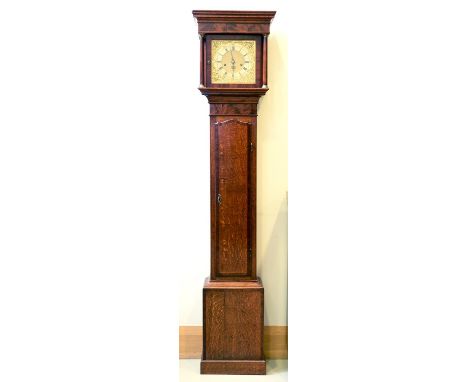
[274, 103]
[273, 268]
[272, 196]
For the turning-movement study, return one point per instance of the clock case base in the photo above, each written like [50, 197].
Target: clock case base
[233, 327]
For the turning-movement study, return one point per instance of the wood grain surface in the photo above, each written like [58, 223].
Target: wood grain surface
[233, 323]
[275, 343]
[214, 319]
[233, 167]
[232, 149]
[233, 367]
[243, 328]
[234, 21]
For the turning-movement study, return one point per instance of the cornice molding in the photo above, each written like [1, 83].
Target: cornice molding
[254, 22]
[245, 17]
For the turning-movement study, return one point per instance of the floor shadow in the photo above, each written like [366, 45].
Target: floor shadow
[275, 367]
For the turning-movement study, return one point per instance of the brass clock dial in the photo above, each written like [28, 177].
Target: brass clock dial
[233, 62]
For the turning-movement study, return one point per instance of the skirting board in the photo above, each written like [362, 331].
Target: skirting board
[275, 342]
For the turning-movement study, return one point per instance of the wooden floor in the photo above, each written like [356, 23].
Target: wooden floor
[189, 371]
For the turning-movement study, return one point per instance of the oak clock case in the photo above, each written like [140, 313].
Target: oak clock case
[233, 77]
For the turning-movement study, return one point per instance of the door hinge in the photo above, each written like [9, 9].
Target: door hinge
[252, 147]
[219, 199]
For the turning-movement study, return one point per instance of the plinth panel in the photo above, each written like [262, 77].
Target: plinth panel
[233, 327]
[243, 324]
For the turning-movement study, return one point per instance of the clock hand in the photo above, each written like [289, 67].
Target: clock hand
[233, 62]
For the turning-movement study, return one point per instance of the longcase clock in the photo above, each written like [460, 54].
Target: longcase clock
[233, 76]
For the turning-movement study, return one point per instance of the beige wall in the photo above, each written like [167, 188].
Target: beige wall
[272, 181]
[272, 187]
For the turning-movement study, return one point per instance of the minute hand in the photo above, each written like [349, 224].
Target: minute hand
[233, 62]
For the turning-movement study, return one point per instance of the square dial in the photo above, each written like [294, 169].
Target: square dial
[233, 62]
